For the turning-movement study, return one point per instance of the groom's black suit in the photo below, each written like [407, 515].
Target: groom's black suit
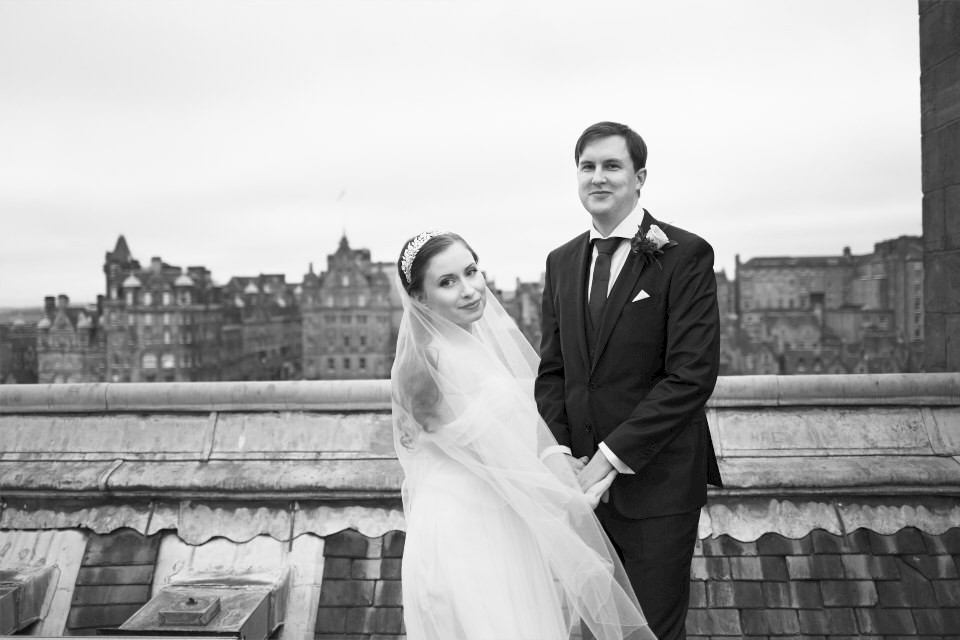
[642, 394]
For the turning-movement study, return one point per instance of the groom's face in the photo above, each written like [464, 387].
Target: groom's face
[608, 183]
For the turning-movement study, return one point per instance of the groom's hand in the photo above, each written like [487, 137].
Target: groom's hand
[577, 464]
[595, 471]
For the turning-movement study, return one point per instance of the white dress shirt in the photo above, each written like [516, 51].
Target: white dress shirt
[627, 229]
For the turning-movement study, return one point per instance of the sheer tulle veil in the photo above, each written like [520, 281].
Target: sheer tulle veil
[465, 397]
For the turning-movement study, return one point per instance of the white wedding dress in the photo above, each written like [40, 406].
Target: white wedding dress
[500, 544]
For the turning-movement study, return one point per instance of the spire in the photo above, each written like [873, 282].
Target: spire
[121, 253]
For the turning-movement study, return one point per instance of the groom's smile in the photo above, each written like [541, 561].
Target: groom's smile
[607, 182]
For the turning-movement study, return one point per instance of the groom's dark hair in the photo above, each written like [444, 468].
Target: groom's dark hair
[635, 144]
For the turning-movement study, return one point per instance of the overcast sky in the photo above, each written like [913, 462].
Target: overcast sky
[247, 136]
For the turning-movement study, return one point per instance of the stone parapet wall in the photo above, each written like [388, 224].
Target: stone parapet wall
[840, 516]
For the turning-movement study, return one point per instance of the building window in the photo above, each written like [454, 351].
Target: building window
[345, 281]
[361, 319]
[147, 298]
[149, 361]
[346, 363]
[166, 299]
[363, 364]
[168, 361]
[346, 341]
[363, 341]
[361, 301]
[345, 319]
[130, 298]
[331, 364]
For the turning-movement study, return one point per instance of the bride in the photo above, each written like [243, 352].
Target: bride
[501, 541]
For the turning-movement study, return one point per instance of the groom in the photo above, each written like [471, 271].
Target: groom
[629, 356]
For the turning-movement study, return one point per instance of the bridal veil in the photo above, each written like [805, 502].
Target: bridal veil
[493, 530]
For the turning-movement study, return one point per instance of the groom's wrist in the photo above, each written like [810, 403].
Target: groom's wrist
[612, 458]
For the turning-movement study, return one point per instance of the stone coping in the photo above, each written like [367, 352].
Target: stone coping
[915, 389]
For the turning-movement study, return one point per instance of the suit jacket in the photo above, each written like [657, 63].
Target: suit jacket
[655, 365]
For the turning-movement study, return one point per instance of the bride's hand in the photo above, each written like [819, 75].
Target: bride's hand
[599, 491]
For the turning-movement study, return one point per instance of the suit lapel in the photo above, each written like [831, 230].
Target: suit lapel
[582, 262]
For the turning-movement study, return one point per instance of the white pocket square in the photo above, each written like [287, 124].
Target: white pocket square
[640, 296]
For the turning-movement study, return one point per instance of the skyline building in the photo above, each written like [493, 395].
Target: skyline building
[162, 322]
[351, 317]
[779, 315]
[830, 314]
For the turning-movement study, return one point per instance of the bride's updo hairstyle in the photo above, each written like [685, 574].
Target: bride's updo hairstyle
[430, 248]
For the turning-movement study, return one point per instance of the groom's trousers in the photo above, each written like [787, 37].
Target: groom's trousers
[656, 553]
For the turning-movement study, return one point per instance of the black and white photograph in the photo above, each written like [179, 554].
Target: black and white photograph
[480, 320]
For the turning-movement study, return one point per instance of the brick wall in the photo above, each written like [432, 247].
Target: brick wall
[821, 586]
[360, 596]
[113, 582]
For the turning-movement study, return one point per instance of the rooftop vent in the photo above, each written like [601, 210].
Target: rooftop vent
[231, 608]
[22, 593]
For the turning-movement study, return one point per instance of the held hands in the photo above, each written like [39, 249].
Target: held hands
[593, 475]
[595, 478]
[601, 490]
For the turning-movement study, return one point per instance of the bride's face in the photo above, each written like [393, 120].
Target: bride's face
[454, 287]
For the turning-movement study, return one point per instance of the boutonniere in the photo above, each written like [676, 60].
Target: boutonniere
[650, 246]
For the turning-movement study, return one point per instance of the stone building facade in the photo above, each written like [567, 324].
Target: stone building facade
[265, 311]
[940, 149]
[18, 352]
[162, 323]
[351, 317]
[523, 305]
[832, 314]
[70, 342]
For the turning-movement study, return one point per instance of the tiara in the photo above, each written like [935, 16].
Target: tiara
[406, 261]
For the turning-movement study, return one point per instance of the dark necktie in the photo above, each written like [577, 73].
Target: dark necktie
[601, 279]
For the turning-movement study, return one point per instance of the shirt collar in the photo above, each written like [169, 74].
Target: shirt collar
[626, 229]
